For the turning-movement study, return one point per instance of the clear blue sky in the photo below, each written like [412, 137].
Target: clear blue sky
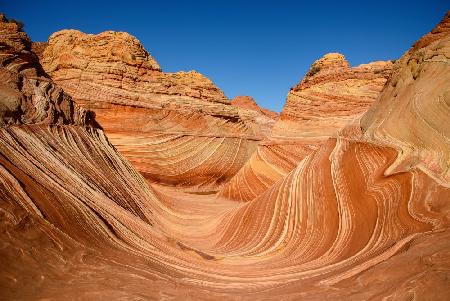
[256, 48]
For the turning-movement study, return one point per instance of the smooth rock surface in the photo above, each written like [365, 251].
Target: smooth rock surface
[177, 129]
[331, 95]
[412, 114]
[348, 222]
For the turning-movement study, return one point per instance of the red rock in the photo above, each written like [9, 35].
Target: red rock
[331, 95]
[261, 119]
[412, 113]
[353, 220]
[177, 129]
[38, 48]
[247, 102]
[27, 95]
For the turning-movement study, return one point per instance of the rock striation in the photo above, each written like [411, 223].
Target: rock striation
[61, 181]
[260, 118]
[115, 64]
[177, 129]
[28, 96]
[425, 107]
[247, 102]
[351, 221]
[331, 95]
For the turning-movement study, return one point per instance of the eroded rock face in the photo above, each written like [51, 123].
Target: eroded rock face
[247, 102]
[177, 129]
[115, 65]
[27, 95]
[38, 48]
[260, 118]
[60, 178]
[415, 98]
[79, 222]
[331, 95]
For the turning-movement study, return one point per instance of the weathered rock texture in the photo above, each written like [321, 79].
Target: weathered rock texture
[331, 95]
[38, 48]
[79, 222]
[175, 128]
[27, 96]
[262, 119]
[115, 64]
[419, 126]
[247, 102]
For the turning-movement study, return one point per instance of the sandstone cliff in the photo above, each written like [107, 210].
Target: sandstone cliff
[61, 181]
[115, 64]
[348, 222]
[262, 119]
[247, 102]
[27, 95]
[331, 95]
[415, 98]
[177, 129]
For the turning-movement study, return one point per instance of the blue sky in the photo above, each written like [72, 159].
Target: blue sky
[257, 48]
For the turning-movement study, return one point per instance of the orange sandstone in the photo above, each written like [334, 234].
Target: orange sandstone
[362, 216]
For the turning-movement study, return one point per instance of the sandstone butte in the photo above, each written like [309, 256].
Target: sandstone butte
[331, 95]
[364, 216]
[177, 129]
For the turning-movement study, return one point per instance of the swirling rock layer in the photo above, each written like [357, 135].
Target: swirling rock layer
[331, 95]
[79, 222]
[419, 100]
[177, 129]
[310, 235]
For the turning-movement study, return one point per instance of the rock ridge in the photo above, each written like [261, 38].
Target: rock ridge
[28, 95]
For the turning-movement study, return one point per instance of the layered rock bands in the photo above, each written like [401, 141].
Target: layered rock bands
[361, 212]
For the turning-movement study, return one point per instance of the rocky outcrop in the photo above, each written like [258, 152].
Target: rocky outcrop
[415, 98]
[38, 48]
[77, 221]
[331, 95]
[262, 120]
[177, 129]
[247, 102]
[61, 181]
[27, 95]
[114, 65]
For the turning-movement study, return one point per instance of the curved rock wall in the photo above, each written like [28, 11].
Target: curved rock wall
[178, 129]
[412, 112]
[331, 95]
[79, 222]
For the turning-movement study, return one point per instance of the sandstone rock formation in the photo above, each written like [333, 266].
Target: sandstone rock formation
[331, 95]
[38, 48]
[116, 64]
[61, 181]
[28, 97]
[262, 119]
[175, 128]
[247, 102]
[347, 223]
[426, 112]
